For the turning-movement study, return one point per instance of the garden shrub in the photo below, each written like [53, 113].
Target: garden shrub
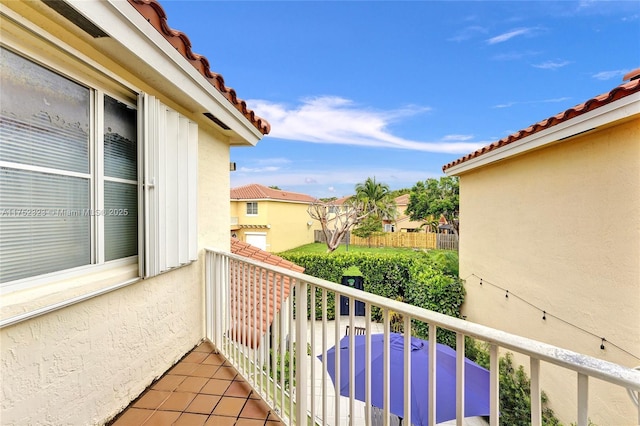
[515, 390]
[414, 278]
[427, 280]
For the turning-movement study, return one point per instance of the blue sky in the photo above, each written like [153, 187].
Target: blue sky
[394, 90]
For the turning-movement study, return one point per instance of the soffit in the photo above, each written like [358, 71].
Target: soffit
[156, 16]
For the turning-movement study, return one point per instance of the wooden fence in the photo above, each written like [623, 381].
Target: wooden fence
[447, 241]
[319, 237]
[417, 240]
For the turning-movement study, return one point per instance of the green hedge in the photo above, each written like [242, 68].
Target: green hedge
[420, 279]
[428, 280]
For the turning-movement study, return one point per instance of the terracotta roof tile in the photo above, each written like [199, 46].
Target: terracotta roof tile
[340, 201]
[255, 191]
[245, 299]
[617, 93]
[156, 16]
[402, 199]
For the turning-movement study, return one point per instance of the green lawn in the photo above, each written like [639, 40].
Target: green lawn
[321, 248]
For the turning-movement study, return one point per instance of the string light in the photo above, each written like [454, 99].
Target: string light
[544, 316]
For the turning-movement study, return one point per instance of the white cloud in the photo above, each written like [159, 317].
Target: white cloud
[457, 137]
[509, 35]
[608, 75]
[551, 65]
[514, 56]
[269, 161]
[258, 169]
[543, 101]
[336, 120]
[468, 33]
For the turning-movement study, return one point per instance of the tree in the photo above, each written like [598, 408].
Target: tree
[337, 219]
[377, 199]
[436, 197]
[371, 225]
[371, 199]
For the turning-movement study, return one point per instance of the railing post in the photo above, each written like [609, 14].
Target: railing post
[459, 378]
[407, 370]
[433, 331]
[208, 296]
[583, 399]
[494, 385]
[302, 360]
[386, 369]
[536, 402]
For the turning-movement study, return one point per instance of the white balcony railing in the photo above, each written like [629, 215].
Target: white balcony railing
[257, 317]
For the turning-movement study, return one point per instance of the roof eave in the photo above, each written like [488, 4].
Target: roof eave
[615, 111]
[159, 61]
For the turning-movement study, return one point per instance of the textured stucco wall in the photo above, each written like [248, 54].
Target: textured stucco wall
[81, 365]
[560, 227]
[213, 192]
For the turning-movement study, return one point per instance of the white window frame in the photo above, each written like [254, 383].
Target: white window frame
[95, 175]
[254, 205]
[152, 205]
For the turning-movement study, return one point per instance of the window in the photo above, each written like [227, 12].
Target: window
[68, 198]
[70, 171]
[252, 208]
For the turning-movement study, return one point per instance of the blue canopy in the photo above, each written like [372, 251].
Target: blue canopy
[476, 392]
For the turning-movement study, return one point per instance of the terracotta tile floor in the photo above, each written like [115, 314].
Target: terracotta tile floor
[201, 389]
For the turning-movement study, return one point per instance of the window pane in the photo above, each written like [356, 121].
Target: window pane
[121, 220]
[44, 223]
[120, 136]
[44, 118]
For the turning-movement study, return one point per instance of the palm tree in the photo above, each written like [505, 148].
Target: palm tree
[376, 198]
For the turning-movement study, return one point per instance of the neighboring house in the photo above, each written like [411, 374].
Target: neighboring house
[114, 169]
[403, 222]
[271, 219]
[539, 250]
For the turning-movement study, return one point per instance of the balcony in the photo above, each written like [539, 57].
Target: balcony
[257, 318]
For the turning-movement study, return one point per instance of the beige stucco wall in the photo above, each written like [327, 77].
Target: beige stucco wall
[287, 222]
[81, 364]
[560, 228]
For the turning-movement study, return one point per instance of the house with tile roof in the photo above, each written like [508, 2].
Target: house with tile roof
[271, 219]
[572, 280]
[403, 222]
[114, 154]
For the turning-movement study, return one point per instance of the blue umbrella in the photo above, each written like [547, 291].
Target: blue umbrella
[476, 392]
